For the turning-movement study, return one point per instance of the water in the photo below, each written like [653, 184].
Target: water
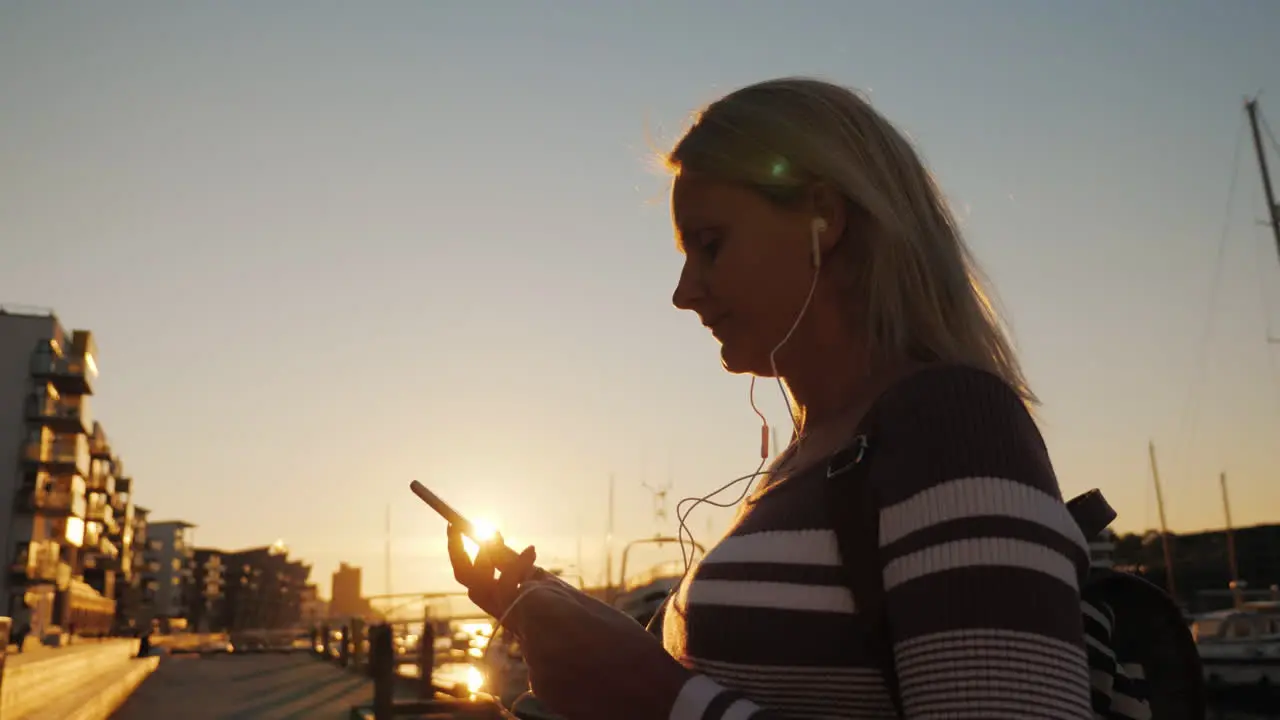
[446, 675]
[1252, 708]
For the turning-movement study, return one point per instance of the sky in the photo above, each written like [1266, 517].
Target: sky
[327, 248]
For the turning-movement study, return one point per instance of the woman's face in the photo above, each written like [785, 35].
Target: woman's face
[747, 267]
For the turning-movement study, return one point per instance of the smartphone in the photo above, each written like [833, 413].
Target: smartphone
[502, 556]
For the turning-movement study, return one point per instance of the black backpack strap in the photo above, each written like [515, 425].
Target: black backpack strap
[1092, 513]
[1151, 631]
[855, 517]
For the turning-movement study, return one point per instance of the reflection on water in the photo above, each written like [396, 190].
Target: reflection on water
[446, 675]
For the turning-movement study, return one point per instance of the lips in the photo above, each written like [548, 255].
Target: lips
[715, 324]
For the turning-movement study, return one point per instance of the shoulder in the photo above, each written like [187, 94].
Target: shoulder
[951, 422]
[951, 389]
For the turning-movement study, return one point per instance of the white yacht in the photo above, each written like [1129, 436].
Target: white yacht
[1240, 647]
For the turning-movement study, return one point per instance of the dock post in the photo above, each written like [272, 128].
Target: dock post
[358, 632]
[426, 658]
[382, 662]
[6, 625]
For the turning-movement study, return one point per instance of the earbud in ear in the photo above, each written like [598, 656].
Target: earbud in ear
[818, 227]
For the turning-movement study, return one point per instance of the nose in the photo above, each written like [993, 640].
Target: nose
[689, 291]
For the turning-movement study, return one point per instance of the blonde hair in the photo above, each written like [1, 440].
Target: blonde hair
[922, 290]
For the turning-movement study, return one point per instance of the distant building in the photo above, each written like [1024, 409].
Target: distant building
[135, 593]
[346, 597]
[263, 589]
[105, 559]
[314, 608]
[58, 480]
[207, 600]
[171, 553]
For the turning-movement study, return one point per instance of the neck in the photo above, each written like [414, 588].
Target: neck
[825, 382]
[835, 384]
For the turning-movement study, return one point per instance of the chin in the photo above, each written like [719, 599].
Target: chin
[740, 362]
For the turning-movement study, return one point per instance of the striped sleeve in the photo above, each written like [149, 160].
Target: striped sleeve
[980, 558]
[702, 698]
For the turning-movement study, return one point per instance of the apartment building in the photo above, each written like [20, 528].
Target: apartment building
[206, 606]
[346, 595]
[264, 589]
[53, 494]
[106, 557]
[314, 609]
[170, 560]
[135, 594]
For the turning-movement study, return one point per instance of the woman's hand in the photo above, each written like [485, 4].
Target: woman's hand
[494, 594]
[586, 660]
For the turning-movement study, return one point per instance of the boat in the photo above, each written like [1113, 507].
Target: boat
[643, 594]
[1240, 647]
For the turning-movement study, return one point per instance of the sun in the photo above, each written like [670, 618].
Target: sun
[485, 530]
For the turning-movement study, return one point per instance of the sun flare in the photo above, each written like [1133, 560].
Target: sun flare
[485, 530]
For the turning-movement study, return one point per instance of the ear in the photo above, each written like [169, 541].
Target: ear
[829, 204]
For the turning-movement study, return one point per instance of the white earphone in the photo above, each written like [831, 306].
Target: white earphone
[818, 227]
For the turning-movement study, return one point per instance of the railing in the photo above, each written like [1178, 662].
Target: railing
[382, 652]
[45, 363]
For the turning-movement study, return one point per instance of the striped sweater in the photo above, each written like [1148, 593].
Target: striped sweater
[978, 557]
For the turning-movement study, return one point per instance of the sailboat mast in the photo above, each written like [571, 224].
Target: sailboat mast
[1231, 539]
[387, 550]
[1164, 527]
[608, 546]
[582, 571]
[1251, 106]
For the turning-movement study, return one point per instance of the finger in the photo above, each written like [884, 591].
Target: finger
[517, 572]
[483, 584]
[483, 566]
[508, 587]
[483, 599]
[463, 570]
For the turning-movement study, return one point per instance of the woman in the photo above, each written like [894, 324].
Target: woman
[819, 251]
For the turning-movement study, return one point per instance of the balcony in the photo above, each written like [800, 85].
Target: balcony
[71, 374]
[59, 496]
[101, 555]
[99, 511]
[101, 484]
[98, 445]
[52, 502]
[92, 534]
[37, 560]
[58, 413]
[123, 529]
[65, 452]
[120, 501]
